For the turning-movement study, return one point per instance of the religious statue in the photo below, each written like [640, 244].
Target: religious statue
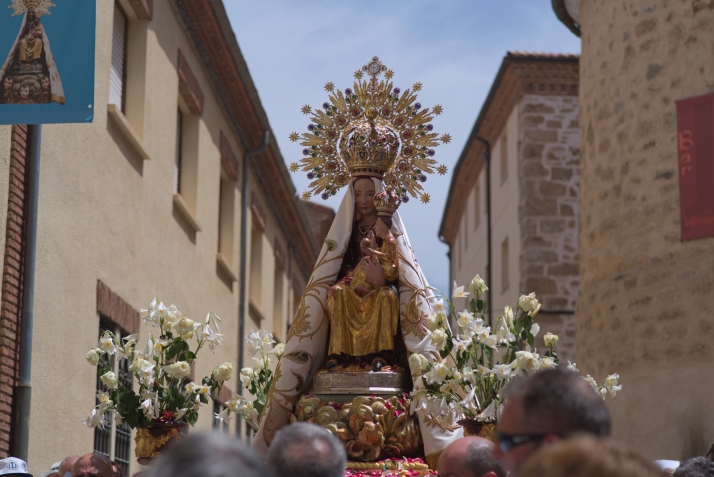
[29, 74]
[365, 307]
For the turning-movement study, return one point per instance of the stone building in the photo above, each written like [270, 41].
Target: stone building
[646, 309]
[528, 126]
[146, 202]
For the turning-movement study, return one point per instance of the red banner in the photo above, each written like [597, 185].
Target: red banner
[695, 133]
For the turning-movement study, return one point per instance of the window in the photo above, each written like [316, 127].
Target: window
[226, 212]
[504, 265]
[114, 441]
[256, 266]
[504, 158]
[477, 204]
[179, 150]
[217, 424]
[117, 74]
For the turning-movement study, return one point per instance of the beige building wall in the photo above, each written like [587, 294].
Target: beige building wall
[646, 308]
[106, 213]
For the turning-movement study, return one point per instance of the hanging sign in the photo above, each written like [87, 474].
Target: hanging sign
[695, 141]
[47, 56]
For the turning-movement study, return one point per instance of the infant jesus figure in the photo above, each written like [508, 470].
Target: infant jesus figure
[364, 311]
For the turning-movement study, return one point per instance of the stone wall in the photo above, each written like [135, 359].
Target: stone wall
[549, 178]
[646, 309]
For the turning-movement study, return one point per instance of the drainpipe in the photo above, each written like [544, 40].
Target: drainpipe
[489, 293]
[451, 267]
[23, 391]
[244, 251]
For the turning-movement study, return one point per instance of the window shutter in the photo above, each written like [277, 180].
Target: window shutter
[179, 146]
[116, 76]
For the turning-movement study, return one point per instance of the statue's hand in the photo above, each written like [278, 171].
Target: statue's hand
[373, 272]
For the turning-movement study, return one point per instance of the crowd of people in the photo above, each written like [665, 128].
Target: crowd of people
[552, 425]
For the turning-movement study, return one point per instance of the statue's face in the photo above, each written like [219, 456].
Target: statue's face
[8, 83]
[380, 228]
[24, 92]
[364, 196]
[31, 14]
[45, 83]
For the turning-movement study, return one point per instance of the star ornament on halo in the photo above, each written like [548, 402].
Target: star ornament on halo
[329, 86]
[442, 169]
[294, 166]
[294, 137]
[425, 198]
[306, 109]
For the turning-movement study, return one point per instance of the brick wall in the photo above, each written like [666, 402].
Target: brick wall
[549, 181]
[12, 283]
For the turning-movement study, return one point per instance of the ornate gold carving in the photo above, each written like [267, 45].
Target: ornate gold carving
[150, 440]
[432, 459]
[432, 421]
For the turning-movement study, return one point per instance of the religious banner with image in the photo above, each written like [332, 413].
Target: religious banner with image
[47, 55]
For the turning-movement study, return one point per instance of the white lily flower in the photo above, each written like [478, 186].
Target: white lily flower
[212, 339]
[147, 407]
[258, 363]
[278, 350]
[571, 366]
[197, 404]
[547, 362]
[437, 374]
[468, 375]
[477, 286]
[107, 344]
[104, 400]
[95, 419]
[151, 315]
[439, 307]
[458, 292]
[180, 413]
[246, 375]
[525, 361]
[109, 379]
[213, 318]
[464, 318]
[452, 385]
[503, 371]
[611, 384]
[490, 341]
[535, 329]
[470, 402]
[488, 414]
[508, 316]
[592, 383]
[118, 419]
[461, 345]
[183, 326]
[224, 415]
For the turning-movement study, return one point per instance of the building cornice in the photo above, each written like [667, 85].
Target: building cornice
[207, 25]
[520, 74]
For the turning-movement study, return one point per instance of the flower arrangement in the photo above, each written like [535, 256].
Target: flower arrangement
[256, 379]
[161, 368]
[485, 360]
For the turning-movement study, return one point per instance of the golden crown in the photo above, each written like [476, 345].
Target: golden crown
[42, 7]
[386, 203]
[372, 129]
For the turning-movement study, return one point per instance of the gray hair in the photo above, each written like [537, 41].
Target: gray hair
[208, 455]
[480, 459]
[307, 450]
[695, 467]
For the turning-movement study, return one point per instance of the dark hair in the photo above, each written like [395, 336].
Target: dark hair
[387, 221]
[695, 467]
[559, 400]
[480, 459]
[306, 450]
[208, 455]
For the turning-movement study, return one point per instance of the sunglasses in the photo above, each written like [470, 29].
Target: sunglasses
[506, 442]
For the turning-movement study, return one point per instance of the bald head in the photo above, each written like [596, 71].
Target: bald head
[66, 465]
[469, 457]
[92, 465]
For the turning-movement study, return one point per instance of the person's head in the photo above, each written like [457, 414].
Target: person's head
[65, 466]
[208, 455]
[588, 456]
[306, 450]
[469, 457]
[45, 82]
[364, 196]
[92, 465]
[25, 91]
[544, 408]
[382, 226]
[695, 467]
[7, 82]
[53, 470]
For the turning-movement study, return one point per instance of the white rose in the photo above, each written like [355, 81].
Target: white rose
[550, 339]
[246, 374]
[222, 372]
[93, 356]
[417, 364]
[438, 339]
[529, 304]
[178, 370]
[477, 286]
[110, 380]
[434, 322]
[185, 326]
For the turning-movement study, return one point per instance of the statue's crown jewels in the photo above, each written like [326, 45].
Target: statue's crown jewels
[386, 203]
[42, 7]
[372, 129]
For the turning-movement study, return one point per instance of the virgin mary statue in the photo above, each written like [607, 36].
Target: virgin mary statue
[29, 74]
[367, 295]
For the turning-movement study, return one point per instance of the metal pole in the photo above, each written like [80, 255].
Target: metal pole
[244, 253]
[23, 391]
[489, 293]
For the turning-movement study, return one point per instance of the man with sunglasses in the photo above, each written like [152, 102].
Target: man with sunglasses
[543, 408]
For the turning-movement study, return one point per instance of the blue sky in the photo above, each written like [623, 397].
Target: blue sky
[454, 48]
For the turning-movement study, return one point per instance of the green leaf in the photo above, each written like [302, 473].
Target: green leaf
[472, 306]
[531, 339]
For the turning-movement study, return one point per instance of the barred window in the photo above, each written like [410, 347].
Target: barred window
[114, 441]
